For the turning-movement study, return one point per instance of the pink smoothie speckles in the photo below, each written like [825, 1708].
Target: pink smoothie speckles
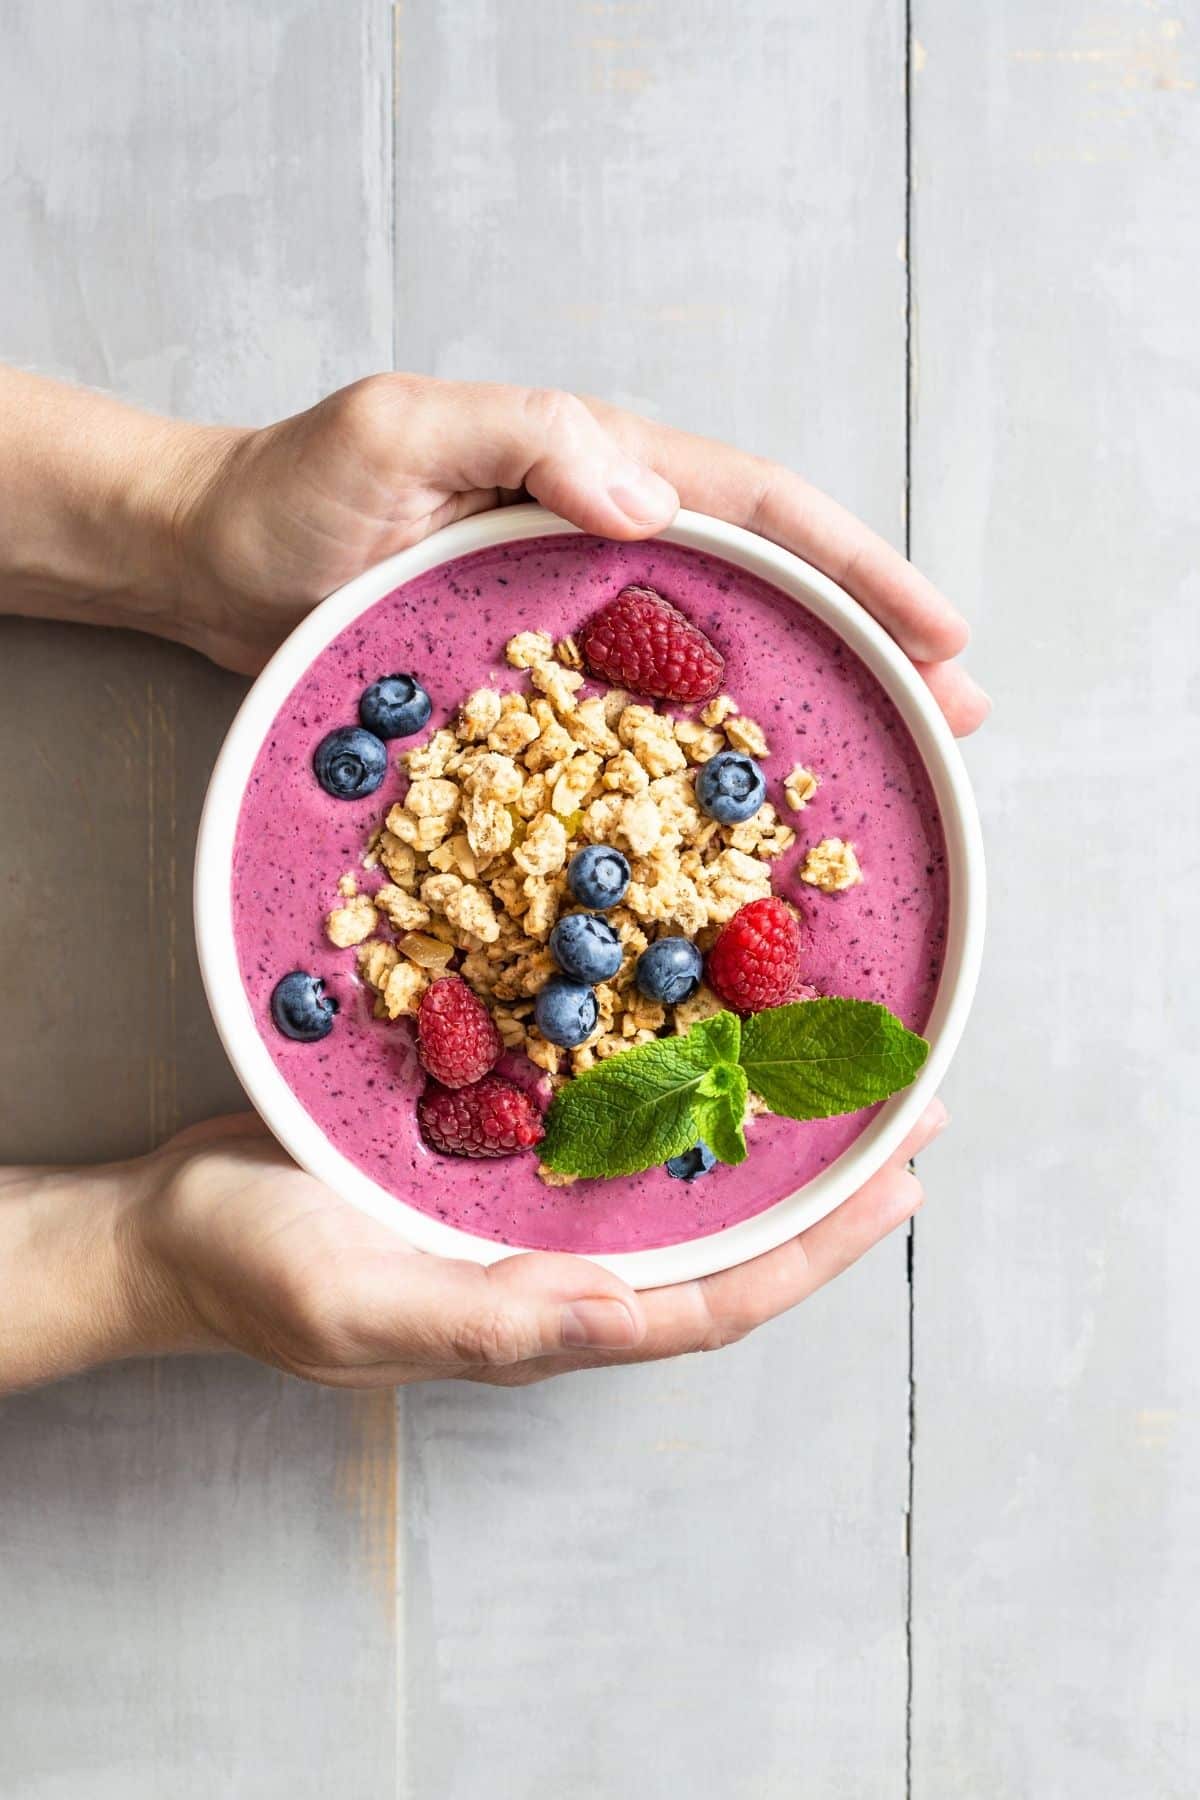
[882, 940]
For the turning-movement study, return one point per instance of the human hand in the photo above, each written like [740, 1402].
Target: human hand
[242, 1250]
[224, 539]
[273, 520]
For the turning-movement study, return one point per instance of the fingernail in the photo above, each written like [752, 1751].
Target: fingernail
[642, 495]
[598, 1325]
[936, 1119]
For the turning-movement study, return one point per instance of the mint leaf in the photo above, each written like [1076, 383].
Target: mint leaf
[638, 1108]
[719, 1110]
[814, 1058]
[716, 1040]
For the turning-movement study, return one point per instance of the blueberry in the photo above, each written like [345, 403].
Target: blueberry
[691, 1164]
[301, 1008]
[565, 1011]
[350, 763]
[598, 876]
[395, 706]
[586, 946]
[731, 787]
[669, 970]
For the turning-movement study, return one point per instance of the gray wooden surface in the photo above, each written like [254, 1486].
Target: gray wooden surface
[689, 1579]
[196, 1559]
[1056, 1625]
[625, 1572]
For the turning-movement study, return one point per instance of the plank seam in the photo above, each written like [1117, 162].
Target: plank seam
[394, 46]
[910, 1259]
[401, 1786]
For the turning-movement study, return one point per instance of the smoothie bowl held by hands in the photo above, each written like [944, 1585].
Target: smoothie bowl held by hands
[624, 899]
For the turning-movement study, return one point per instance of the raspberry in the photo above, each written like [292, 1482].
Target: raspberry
[491, 1118]
[457, 1041]
[641, 642]
[756, 960]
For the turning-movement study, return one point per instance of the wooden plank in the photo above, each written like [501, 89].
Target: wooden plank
[1057, 250]
[196, 1564]
[686, 1579]
[198, 1580]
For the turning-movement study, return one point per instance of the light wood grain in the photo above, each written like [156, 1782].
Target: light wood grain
[1057, 242]
[197, 1559]
[686, 1579]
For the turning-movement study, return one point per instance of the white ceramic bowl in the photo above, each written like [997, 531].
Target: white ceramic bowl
[275, 1100]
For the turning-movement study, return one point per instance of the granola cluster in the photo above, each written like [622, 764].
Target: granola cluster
[831, 866]
[476, 853]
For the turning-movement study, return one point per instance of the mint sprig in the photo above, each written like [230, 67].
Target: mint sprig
[807, 1060]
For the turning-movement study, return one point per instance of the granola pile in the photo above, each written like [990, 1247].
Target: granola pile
[475, 854]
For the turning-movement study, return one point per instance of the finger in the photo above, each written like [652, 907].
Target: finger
[959, 696]
[428, 1314]
[834, 1243]
[772, 500]
[738, 1300]
[466, 436]
[719, 1309]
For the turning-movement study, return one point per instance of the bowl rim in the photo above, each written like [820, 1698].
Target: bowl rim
[274, 1099]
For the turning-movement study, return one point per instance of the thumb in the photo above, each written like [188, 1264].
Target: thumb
[464, 436]
[429, 1312]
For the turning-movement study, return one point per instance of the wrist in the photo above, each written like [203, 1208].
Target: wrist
[100, 503]
[82, 1287]
[162, 489]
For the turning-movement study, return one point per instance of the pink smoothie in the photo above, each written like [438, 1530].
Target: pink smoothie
[818, 705]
